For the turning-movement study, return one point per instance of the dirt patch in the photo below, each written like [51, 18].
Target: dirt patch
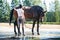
[42, 26]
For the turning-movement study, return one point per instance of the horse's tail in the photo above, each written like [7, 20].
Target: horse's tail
[11, 15]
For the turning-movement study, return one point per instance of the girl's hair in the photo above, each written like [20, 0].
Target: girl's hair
[20, 6]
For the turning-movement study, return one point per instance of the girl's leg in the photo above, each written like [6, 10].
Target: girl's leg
[23, 26]
[18, 26]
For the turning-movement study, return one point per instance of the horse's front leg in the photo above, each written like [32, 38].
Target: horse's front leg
[38, 26]
[34, 20]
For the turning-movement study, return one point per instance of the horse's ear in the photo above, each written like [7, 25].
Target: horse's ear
[45, 11]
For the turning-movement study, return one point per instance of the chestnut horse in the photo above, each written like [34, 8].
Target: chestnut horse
[34, 12]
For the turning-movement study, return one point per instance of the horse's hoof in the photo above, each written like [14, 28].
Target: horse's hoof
[15, 34]
[32, 33]
[38, 33]
[19, 34]
[23, 34]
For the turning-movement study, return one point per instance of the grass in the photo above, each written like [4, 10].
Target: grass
[30, 22]
[51, 22]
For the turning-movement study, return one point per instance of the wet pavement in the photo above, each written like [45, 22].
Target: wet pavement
[7, 33]
[28, 38]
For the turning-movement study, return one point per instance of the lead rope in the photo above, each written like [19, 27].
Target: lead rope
[26, 26]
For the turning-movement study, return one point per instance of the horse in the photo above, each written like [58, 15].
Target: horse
[35, 12]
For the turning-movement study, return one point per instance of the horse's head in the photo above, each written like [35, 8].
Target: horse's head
[43, 13]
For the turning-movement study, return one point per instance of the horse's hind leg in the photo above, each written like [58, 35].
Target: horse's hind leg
[18, 27]
[38, 26]
[15, 24]
[34, 20]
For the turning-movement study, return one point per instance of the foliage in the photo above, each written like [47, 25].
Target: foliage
[57, 10]
[1, 9]
[35, 2]
[4, 12]
[27, 3]
[31, 2]
[15, 2]
[50, 17]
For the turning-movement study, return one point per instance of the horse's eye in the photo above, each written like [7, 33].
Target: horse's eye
[42, 14]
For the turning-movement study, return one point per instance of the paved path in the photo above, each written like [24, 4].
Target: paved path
[46, 31]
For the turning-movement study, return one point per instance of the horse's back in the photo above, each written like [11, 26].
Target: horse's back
[37, 8]
[33, 11]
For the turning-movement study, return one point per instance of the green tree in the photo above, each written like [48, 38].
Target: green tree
[35, 2]
[57, 10]
[50, 17]
[1, 9]
[4, 11]
[45, 8]
[27, 3]
[7, 12]
[14, 3]
[32, 2]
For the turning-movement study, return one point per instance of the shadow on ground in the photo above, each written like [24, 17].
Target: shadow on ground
[28, 38]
